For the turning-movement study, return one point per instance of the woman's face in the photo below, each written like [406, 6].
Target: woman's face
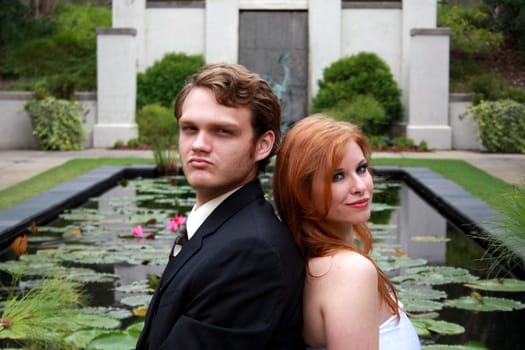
[352, 188]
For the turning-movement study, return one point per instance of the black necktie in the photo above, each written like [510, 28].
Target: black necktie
[182, 237]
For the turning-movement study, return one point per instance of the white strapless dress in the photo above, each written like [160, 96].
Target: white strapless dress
[395, 335]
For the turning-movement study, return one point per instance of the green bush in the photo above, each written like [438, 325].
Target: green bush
[57, 125]
[470, 32]
[158, 128]
[161, 82]
[501, 125]
[365, 111]
[361, 74]
[490, 87]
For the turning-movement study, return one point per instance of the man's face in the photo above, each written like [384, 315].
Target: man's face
[216, 145]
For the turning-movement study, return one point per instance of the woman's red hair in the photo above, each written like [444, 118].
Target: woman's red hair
[307, 159]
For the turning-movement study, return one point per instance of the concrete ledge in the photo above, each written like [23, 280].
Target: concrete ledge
[430, 31]
[46, 206]
[116, 31]
[105, 135]
[196, 4]
[436, 136]
[371, 5]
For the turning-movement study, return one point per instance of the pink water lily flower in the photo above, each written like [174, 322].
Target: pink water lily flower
[176, 222]
[139, 232]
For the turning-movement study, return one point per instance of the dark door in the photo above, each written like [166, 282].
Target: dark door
[275, 45]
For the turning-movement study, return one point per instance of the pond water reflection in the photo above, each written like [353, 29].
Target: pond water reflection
[410, 234]
[414, 219]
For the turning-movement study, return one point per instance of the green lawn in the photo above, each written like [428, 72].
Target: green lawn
[472, 179]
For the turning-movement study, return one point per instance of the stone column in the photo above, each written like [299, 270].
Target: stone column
[116, 86]
[428, 93]
[132, 14]
[324, 41]
[222, 31]
[416, 14]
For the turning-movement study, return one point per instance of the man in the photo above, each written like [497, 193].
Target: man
[238, 281]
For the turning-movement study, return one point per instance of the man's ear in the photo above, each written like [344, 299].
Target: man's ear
[264, 145]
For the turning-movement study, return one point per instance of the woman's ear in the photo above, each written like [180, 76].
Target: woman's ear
[264, 145]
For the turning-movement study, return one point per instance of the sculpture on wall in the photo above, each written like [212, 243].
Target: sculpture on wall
[280, 89]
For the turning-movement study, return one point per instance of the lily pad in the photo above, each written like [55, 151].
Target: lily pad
[397, 262]
[435, 275]
[107, 311]
[425, 327]
[454, 347]
[430, 239]
[485, 304]
[136, 300]
[83, 337]
[498, 285]
[113, 341]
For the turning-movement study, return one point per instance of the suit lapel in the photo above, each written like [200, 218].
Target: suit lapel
[231, 205]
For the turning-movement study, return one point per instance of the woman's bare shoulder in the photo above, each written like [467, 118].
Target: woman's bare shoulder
[342, 262]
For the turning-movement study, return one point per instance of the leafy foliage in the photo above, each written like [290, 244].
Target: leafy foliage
[501, 125]
[489, 87]
[161, 82]
[65, 45]
[469, 31]
[158, 128]
[509, 17]
[364, 111]
[57, 125]
[362, 74]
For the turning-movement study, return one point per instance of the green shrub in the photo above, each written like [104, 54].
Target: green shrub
[365, 111]
[161, 82]
[490, 87]
[158, 128]
[361, 74]
[118, 144]
[501, 125]
[133, 143]
[469, 28]
[57, 125]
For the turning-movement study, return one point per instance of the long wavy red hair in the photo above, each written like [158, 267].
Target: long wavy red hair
[307, 159]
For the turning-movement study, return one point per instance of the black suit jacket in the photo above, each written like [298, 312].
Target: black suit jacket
[236, 284]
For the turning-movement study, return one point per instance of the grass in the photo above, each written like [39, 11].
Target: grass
[473, 180]
[57, 175]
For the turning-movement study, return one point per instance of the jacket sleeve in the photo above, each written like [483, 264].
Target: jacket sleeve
[235, 299]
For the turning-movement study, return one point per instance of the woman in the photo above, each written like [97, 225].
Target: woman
[323, 191]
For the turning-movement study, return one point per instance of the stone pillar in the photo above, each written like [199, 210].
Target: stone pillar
[465, 131]
[324, 41]
[116, 86]
[428, 92]
[416, 14]
[132, 14]
[222, 31]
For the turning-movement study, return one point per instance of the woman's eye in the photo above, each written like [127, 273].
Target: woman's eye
[362, 169]
[338, 176]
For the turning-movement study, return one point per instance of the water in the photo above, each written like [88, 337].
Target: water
[402, 221]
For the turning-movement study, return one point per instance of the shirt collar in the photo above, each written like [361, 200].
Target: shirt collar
[197, 216]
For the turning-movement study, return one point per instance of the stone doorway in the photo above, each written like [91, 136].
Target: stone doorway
[275, 45]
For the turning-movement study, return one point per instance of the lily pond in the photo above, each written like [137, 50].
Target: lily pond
[84, 281]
